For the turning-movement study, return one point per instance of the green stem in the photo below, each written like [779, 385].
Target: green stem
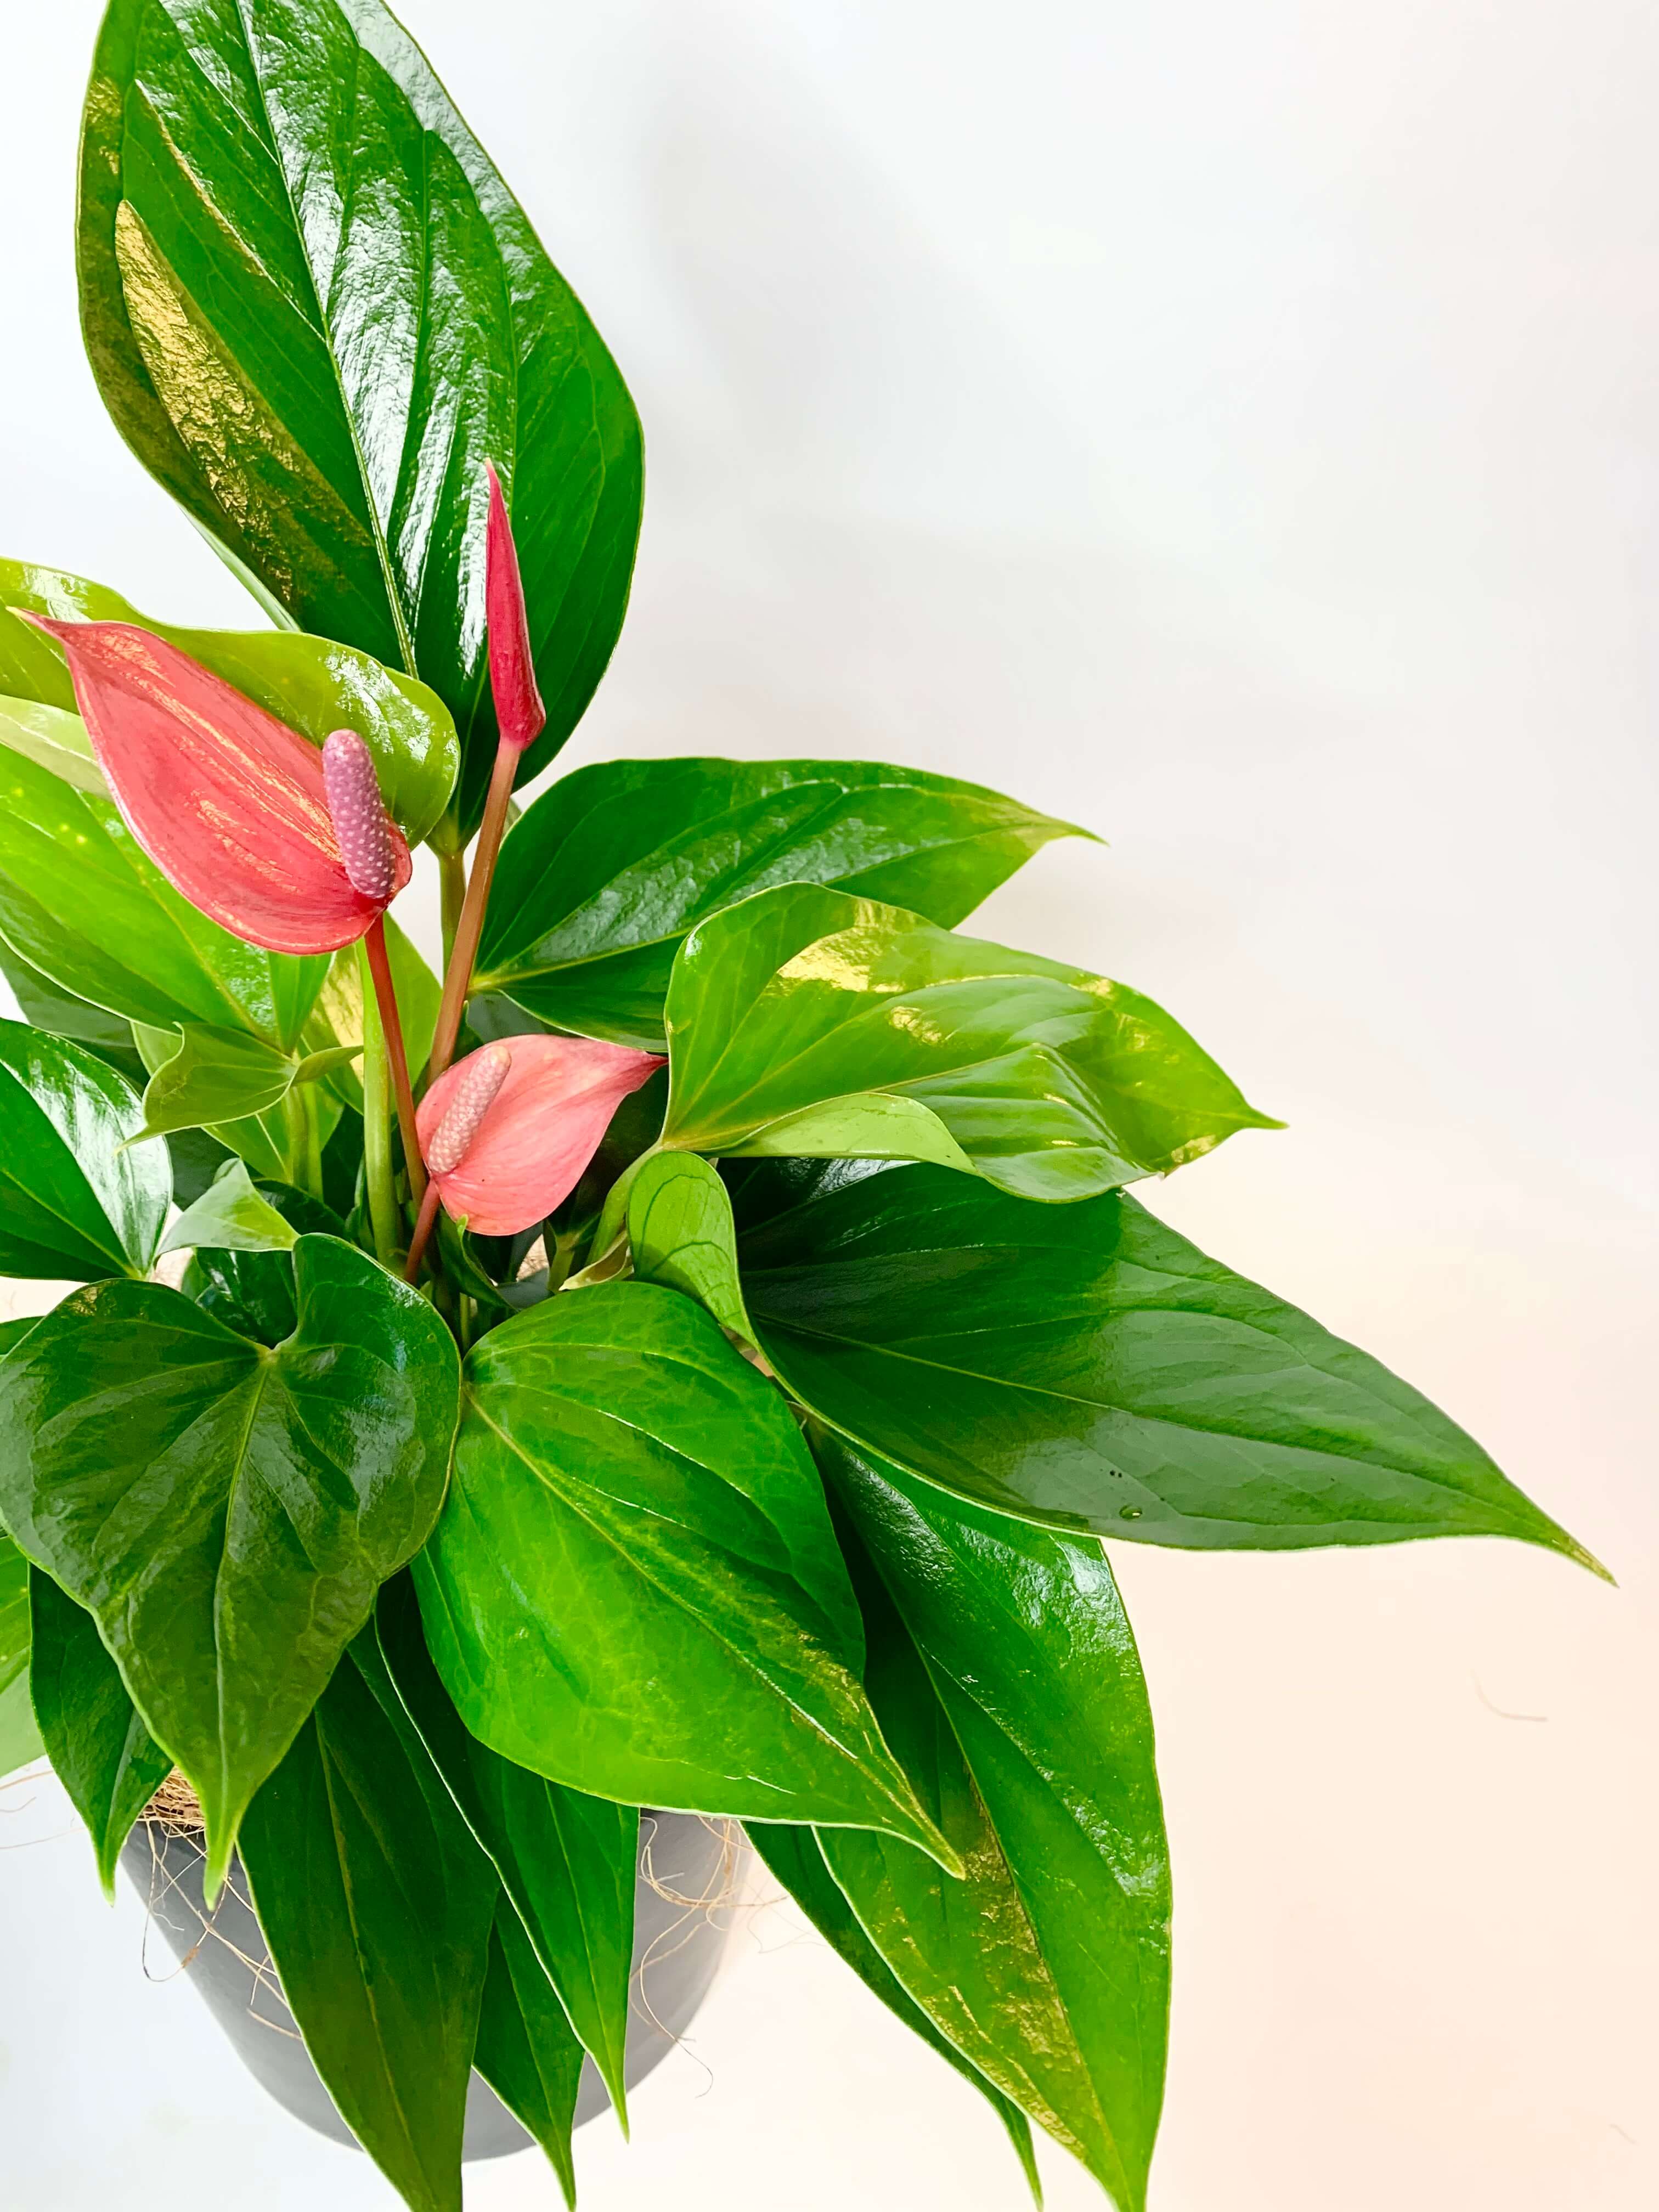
[377, 1126]
[293, 1137]
[452, 887]
[308, 1102]
[391, 1029]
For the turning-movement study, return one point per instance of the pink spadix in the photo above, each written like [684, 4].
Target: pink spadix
[353, 791]
[507, 1131]
[231, 805]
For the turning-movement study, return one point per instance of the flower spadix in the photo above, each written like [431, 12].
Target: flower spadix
[231, 804]
[506, 1132]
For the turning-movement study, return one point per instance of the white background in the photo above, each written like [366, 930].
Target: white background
[1236, 428]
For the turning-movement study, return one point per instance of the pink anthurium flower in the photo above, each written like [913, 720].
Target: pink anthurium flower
[231, 805]
[507, 1131]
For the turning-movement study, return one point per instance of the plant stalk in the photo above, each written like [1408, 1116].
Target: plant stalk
[451, 888]
[424, 1223]
[458, 971]
[385, 997]
[383, 1214]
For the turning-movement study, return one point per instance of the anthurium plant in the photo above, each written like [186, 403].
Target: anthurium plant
[687, 1355]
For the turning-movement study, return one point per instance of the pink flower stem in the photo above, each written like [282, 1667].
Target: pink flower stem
[458, 975]
[423, 1226]
[379, 967]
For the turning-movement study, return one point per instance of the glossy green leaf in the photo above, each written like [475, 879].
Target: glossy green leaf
[81, 903]
[567, 1862]
[214, 1075]
[45, 1006]
[1005, 1674]
[796, 1858]
[606, 872]
[807, 1022]
[75, 1203]
[635, 1588]
[680, 1229]
[229, 1511]
[20, 1738]
[378, 1906]
[252, 1290]
[1085, 1366]
[311, 684]
[314, 310]
[99, 1749]
[54, 738]
[525, 2050]
[231, 1216]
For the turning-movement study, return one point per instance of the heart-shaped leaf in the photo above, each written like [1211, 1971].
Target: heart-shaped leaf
[228, 1511]
[635, 1588]
[526, 2051]
[796, 1857]
[240, 170]
[567, 1862]
[311, 684]
[378, 1907]
[99, 1749]
[80, 1197]
[252, 1290]
[82, 904]
[606, 872]
[807, 1022]
[1005, 1674]
[1086, 1367]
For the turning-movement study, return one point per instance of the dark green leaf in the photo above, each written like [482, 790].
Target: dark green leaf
[377, 1906]
[1084, 1366]
[311, 684]
[44, 1006]
[567, 1862]
[635, 1588]
[602, 878]
[252, 1291]
[796, 1858]
[82, 904]
[810, 1022]
[99, 1749]
[75, 1204]
[314, 310]
[227, 1511]
[680, 1226]
[1005, 1673]
[526, 2051]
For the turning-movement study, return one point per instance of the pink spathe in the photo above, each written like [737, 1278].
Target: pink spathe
[538, 1133]
[228, 802]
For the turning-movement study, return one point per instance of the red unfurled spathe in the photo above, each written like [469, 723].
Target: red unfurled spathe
[520, 714]
[536, 1132]
[228, 802]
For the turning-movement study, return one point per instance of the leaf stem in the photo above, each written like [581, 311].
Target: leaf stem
[423, 1226]
[452, 887]
[377, 1126]
[458, 971]
[385, 997]
[308, 1102]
